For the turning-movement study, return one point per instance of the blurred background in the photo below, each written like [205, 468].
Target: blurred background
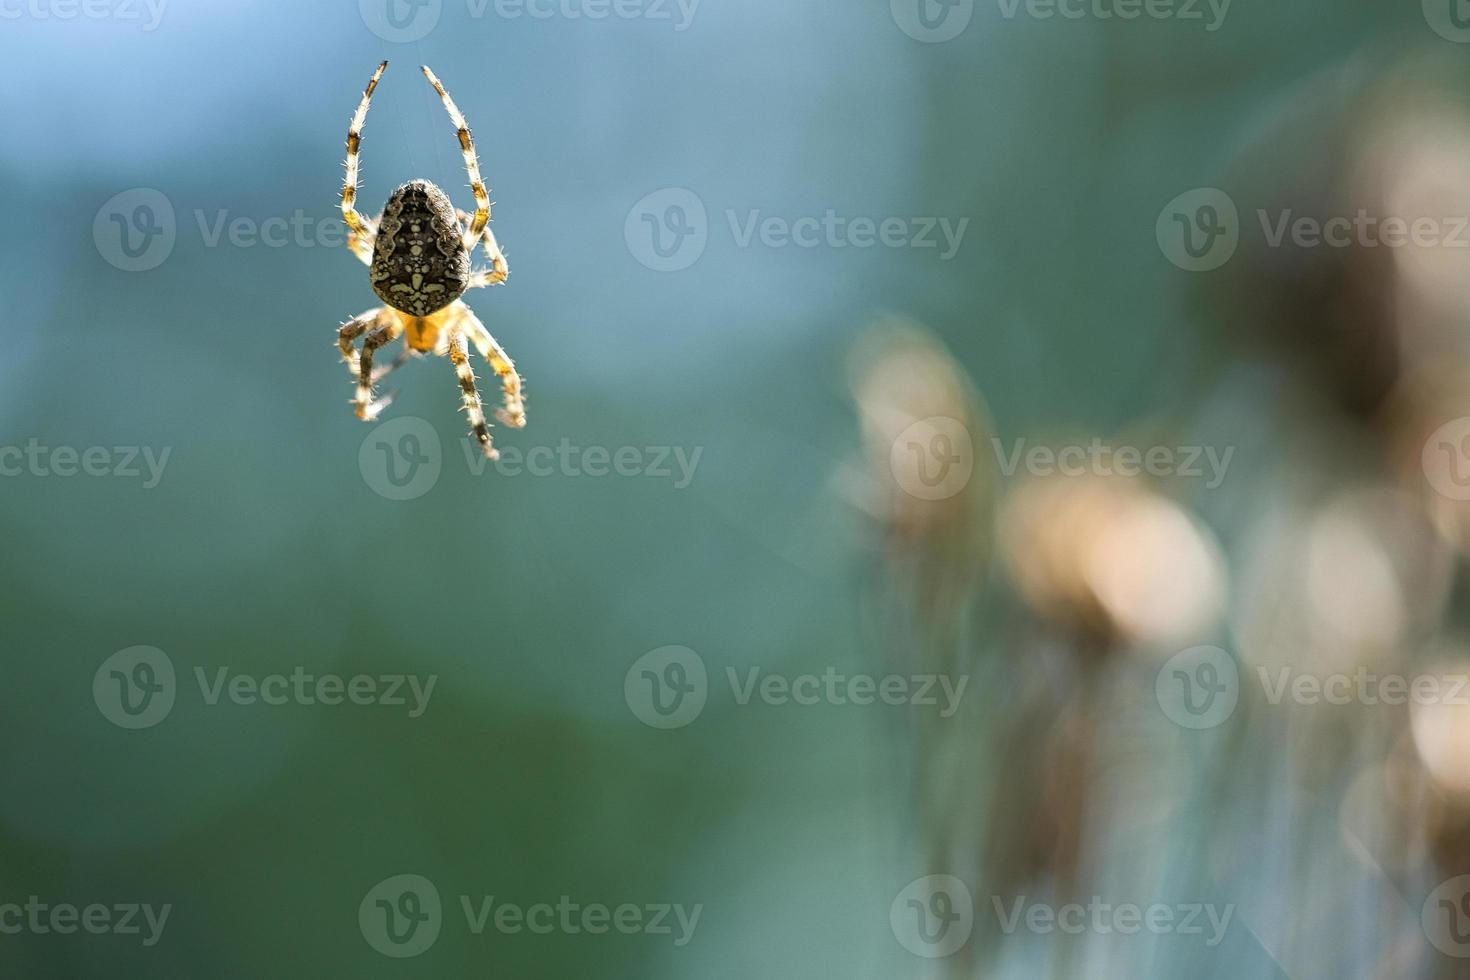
[993, 503]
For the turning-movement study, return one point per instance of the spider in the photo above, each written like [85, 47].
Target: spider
[418, 254]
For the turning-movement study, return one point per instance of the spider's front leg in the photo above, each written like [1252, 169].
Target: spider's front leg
[360, 230]
[471, 164]
[361, 243]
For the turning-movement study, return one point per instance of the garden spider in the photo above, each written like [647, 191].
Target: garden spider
[418, 252]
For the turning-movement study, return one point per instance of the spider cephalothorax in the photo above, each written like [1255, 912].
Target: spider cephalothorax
[418, 254]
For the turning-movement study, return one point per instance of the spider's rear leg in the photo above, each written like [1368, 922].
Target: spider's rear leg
[459, 356]
[350, 331]
[514, 412]
[383, 370]
[368, 409]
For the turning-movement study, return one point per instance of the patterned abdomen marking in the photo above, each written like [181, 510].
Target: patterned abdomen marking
[419, 262]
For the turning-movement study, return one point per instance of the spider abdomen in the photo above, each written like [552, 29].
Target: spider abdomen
[420, 263]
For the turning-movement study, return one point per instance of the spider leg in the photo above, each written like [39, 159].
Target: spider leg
[499, 270]
[368, 409]
[362, 245]
[360, 232]
[514, 412]
[468, 393]
[404, 356]
[350, 331]
[471, 164]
